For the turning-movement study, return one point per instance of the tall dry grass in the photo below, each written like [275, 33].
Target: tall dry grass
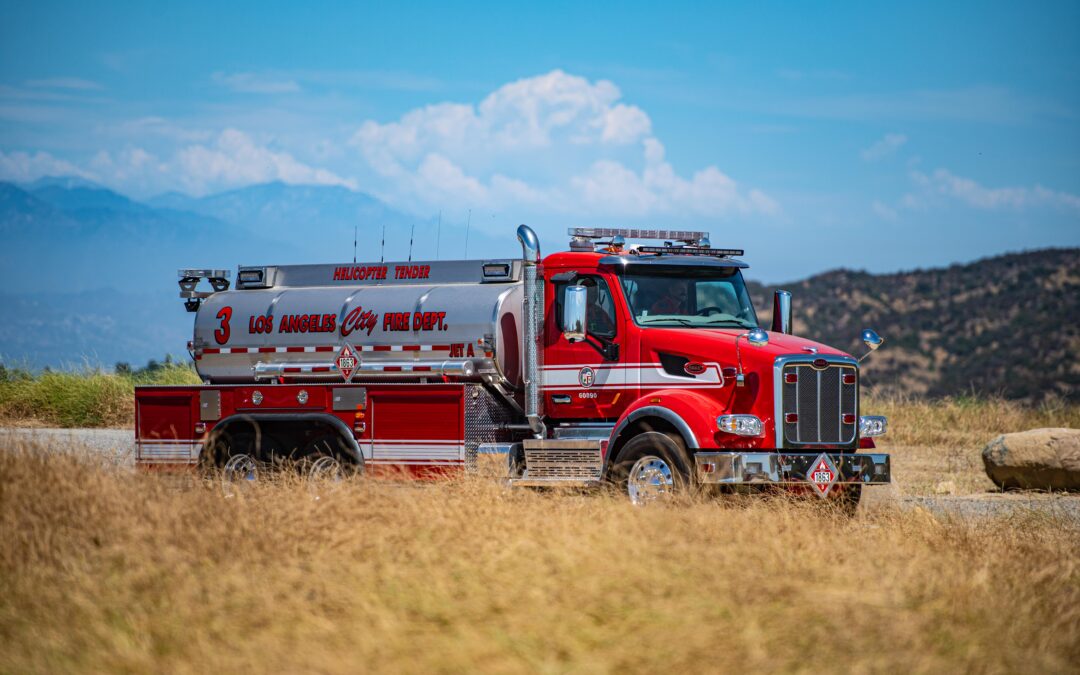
[106, 570]
[936, 444]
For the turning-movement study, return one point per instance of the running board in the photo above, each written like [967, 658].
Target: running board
[551, 463]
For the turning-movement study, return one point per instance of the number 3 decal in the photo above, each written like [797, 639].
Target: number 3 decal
[222, 334]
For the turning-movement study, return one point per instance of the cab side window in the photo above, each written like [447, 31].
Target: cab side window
[601, 321]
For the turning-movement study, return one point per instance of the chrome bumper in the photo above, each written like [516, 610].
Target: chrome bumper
[787, 468]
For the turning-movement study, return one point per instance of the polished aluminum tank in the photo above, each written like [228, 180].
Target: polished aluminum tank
[459, 318]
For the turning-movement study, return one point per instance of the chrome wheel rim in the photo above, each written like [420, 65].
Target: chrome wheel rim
[325, 468]
[650, 479]
[239, 471]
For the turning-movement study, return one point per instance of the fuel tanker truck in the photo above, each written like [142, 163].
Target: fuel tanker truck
[642, 366]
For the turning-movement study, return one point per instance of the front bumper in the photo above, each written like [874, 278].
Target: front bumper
[788, 468]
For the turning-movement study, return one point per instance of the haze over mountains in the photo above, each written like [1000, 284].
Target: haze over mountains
[89, 275]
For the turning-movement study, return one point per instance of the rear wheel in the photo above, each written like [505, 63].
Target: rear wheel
[651, 467]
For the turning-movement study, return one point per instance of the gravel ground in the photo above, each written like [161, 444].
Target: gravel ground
[118, 445]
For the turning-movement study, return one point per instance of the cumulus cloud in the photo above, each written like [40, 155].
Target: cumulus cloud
[555, 141]
[884, 147]
[942, 183]
[24, 167]
[234, 159]
[256, 83]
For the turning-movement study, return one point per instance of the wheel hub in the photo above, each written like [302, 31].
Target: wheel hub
[650, 479]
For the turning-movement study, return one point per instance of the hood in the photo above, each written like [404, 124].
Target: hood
[720, 344]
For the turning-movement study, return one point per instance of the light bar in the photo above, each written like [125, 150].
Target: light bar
[691, 250]
[203, 274]
[629, 233]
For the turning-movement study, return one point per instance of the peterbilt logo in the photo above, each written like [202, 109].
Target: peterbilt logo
[586, 376]
[694, 368]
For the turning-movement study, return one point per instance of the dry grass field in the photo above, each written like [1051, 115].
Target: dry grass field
[102, 569]
[936, 445]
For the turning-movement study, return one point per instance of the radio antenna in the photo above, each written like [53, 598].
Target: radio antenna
[467, 224]
[354, 244]
[382, 250]
[411, 233]
[438, 235]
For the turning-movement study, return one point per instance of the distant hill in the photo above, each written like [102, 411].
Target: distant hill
[1008, 325]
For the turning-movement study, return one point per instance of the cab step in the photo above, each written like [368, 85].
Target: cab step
[561, 463]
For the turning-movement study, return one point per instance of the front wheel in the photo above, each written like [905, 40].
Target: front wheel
[651, 467]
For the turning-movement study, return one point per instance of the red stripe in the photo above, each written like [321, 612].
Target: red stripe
[266, 350]
[422, 368]
[324, 349]
[392, 369]
[294, 349]
[211, 350]
[321, 369]
[438, 348]
[381, 348]
[410, 348]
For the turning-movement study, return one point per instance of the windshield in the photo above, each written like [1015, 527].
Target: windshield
[696, 298]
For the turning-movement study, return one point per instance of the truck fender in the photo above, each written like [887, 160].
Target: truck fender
[342, 429]
[685, 411]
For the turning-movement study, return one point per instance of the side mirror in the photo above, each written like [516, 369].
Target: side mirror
[872, 341]
[756, 337]
[575, 313]
[781, 312]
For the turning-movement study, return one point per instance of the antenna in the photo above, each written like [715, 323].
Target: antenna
[411, 233]
[383, 249]
[467, 224]
[438, 235]
[354, 244]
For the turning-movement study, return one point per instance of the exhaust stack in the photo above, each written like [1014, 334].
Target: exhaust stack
[533, 315]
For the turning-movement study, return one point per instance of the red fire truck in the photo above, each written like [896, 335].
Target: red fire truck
[640, 365]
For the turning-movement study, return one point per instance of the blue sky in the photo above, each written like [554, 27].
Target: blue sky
[851, 135]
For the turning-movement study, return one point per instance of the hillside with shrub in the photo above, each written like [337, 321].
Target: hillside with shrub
[1004, 326]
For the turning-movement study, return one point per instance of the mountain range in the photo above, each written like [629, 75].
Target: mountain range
[1006, 325]
[89, 276]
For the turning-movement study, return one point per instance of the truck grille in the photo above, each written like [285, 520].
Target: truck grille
[819, 401]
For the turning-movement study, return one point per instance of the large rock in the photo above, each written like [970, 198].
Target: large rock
[1041, 459]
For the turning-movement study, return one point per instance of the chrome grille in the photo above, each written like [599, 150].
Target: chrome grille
[813, 407]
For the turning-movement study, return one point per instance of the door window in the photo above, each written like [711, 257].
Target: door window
[601, 306]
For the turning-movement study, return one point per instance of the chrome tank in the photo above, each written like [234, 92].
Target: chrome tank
[302, 315]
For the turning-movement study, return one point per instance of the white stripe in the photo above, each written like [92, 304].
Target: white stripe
[631, 376]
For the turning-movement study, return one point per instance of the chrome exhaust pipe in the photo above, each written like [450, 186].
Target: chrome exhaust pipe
[533, 317]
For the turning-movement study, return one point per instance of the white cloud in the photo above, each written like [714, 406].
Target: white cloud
[74, 83]
[884, 211]
[944, 184]
[556, 141]
[234, 159]
[23, 167]
[256, 83]
[884, 147]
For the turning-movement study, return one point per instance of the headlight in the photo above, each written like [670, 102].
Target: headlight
[872, 425]
[740, 425]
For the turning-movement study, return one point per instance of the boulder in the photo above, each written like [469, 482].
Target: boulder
[1040, 459]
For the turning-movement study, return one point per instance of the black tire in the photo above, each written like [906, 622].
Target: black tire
[668, 449]
[848, 500]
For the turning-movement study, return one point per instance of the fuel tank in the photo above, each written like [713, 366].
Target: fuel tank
[405, 316]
